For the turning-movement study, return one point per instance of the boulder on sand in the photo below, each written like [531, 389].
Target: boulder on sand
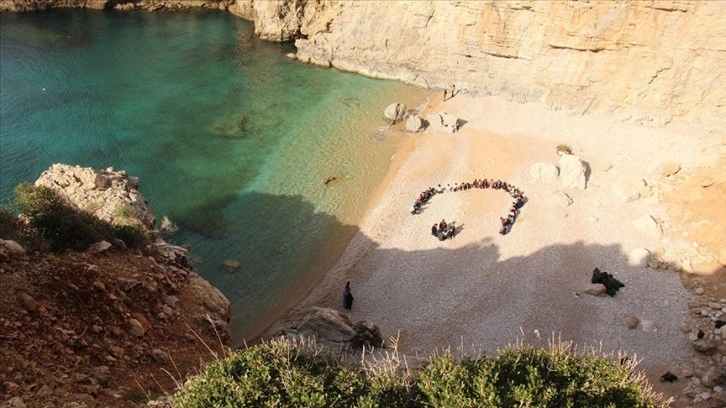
[627, 188]
[444, 122]
[649, 226]
[395, 112]
[572, 172]
[544, 172]
[415, 124]
[335, 330]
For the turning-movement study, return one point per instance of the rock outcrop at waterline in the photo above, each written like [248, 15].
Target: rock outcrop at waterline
[108, 194]
[645, 61]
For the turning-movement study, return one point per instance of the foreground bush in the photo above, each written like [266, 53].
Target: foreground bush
[295, 374]
[286, 374]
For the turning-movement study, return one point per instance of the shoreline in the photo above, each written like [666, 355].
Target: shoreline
[481, 291]
[312, 295]
[359, 244]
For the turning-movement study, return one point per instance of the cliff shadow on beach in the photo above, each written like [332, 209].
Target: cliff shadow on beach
[264, 252]
[473, 295]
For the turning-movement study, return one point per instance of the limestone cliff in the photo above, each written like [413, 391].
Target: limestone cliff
[109, 195]
[645, 61]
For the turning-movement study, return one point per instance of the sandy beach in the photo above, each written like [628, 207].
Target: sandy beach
[481, 291]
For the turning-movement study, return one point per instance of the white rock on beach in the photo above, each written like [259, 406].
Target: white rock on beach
[664, 168]
[415, 124]
[628, 188]
[595, 289]
[561, 199]
[572, 172]
[648, 326]
[544, 172]
[443, 122]
[639, 257]
[649, 226]
[395, 112]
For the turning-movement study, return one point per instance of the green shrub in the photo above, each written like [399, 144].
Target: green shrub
[558, 378]
[66, 227]
[9, 223]
[61, 225]
[133, 236]
[278, 373]
[287, 373]
[564, 149]
[36, 202]
[125, 211]
[446, 382]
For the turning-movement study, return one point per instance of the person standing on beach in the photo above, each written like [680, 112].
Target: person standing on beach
[445, 91]
[347, 297]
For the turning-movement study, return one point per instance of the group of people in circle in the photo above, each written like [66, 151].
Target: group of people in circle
[444, 230]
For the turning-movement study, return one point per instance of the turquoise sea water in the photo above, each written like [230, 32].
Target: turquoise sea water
[230, 138]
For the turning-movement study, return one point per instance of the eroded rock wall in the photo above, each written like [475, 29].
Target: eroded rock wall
[645, 61]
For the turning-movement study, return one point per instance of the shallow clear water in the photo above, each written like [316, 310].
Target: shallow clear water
[230, 138]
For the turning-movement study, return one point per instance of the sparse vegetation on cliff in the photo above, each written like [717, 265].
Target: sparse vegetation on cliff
[297, 373]
[51, 219]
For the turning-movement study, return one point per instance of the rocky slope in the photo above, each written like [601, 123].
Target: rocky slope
[103, 327]
[647, 61]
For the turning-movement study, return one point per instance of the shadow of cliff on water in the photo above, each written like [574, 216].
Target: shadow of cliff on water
[265, 253]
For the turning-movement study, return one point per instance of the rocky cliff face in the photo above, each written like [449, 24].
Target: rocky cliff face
[101, 327]
[108, 194]
[646, 61]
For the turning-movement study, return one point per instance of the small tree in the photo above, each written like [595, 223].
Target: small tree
[564, 149]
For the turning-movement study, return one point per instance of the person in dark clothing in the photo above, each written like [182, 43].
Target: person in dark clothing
[347, 297]
[450, 231]
[434, 231]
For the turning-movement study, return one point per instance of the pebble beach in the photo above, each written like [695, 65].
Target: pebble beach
[481, 291]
